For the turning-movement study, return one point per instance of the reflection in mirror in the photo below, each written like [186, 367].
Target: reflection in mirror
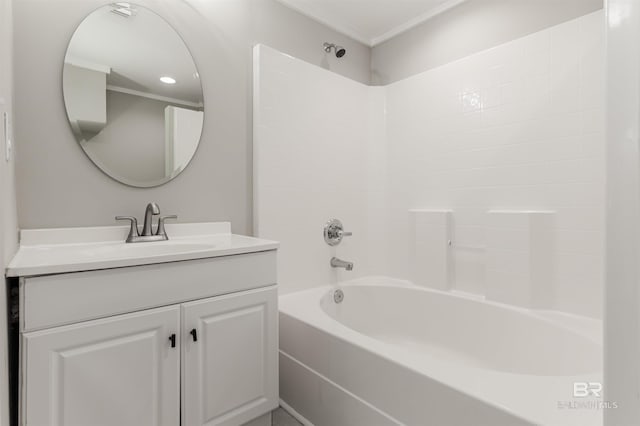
[133, 95]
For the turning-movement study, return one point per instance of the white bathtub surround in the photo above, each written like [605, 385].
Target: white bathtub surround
[438, 358]
[315, 145]
[520, 260]
[518, 127]
[510, 141]
[430, 248]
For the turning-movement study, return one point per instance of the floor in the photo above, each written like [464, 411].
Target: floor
[279, 417]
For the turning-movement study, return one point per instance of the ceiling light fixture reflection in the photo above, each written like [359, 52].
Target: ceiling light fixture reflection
[168, 80]
[123, 9]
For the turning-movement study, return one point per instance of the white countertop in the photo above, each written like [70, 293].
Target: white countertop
[55, 251]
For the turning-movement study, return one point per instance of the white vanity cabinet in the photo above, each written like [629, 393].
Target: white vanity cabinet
[189, 343]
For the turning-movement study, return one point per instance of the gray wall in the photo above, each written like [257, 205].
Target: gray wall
[471, 27]
[58, 186]
[8, 221]
[8, 213]
[622, 295]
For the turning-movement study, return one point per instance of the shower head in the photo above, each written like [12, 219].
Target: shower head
[340, 51]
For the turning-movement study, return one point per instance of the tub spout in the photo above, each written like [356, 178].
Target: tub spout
[338, 263]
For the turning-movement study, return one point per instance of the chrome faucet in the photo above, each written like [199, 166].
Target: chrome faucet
[151, 210]
[147, 233]
[338, 263]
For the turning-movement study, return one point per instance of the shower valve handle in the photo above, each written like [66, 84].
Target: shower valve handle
[342, 233]
[334, 232]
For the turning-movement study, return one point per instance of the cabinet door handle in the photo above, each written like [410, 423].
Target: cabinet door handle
[194, 334]
[172, 339]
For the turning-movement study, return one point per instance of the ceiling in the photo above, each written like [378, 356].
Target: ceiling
[371, 21]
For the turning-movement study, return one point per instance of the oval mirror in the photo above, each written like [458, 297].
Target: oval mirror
[133, 95]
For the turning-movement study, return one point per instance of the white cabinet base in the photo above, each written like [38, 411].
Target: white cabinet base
[230, 371]
[117, 371]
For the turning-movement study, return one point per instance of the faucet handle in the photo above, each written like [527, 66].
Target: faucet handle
[160, 230]
[133, 231]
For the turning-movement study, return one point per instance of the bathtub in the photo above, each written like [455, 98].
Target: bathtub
[393, 353]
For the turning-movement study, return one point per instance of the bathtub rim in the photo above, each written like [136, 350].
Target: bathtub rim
[587, 327]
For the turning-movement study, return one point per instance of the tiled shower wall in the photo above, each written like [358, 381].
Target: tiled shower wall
[318, 137]
[517, 127]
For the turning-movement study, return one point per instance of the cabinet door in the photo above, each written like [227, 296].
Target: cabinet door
[230, 368]
[121, 371]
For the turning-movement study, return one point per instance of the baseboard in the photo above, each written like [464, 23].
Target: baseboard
[299, 417]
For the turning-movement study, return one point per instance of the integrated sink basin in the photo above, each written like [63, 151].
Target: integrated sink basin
[54, 251]
[152, 249]
[120, 250]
